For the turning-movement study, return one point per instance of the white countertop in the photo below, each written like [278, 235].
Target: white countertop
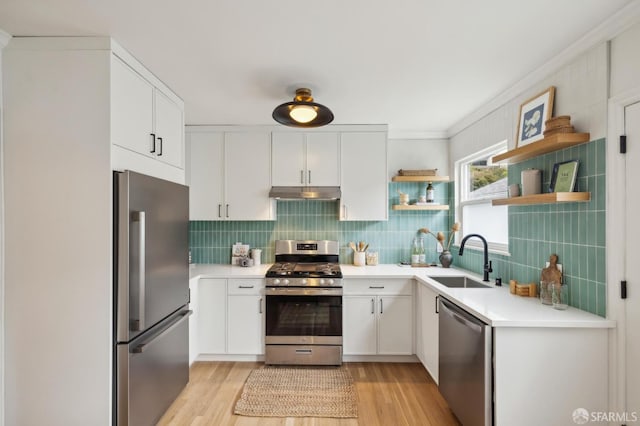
[206, 270]
[495, 305]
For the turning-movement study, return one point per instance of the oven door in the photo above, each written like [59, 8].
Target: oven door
[300, 315]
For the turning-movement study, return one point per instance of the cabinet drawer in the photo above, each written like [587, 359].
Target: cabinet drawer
[245, 286]
[378, 286]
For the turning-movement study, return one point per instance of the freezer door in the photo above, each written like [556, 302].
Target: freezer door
[152, 251]
[151, 371]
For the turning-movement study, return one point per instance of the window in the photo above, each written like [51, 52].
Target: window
[478, 181]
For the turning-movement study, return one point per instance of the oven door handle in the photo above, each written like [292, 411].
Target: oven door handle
[299, 291]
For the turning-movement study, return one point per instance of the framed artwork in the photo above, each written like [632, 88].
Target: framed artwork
[563, 177]
[533, 113]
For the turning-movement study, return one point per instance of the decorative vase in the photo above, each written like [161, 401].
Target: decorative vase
[446, 258]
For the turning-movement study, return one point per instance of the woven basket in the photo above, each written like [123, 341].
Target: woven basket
[424, 172]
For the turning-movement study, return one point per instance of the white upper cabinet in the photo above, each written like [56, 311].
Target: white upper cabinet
[306, 159]
[247, 157]
[364, 176]
[228, 173]
[288, 153]
[169, 130]
[146, 120]
[205, 175]
[131, 109]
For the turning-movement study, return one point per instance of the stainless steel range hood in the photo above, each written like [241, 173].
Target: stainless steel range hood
[305, 192]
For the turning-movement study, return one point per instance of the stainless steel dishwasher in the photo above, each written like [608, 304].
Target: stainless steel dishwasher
[465, 364]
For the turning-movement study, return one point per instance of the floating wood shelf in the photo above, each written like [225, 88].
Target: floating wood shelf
[414, 207]
[550, 144]
[420, 179]
[549, 198]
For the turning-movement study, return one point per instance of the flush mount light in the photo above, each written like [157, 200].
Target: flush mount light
[302, 112]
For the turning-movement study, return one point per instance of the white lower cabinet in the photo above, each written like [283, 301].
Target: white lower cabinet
[245, 307]
[427, 329]
[230, 318]
[378, 317]
[193, 320]
[359, 325]
[212, 315]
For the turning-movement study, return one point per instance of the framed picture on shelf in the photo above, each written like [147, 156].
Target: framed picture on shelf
[533, 113]
[563, 177]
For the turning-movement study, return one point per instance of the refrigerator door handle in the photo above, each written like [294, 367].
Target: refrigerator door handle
[138, 325]
[144, 346]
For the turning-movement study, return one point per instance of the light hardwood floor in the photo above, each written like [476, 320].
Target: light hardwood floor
[388, 394]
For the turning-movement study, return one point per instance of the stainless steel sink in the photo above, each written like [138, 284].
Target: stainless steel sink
[460, 281]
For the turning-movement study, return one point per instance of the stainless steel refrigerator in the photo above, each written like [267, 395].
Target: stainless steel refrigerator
[151, 296]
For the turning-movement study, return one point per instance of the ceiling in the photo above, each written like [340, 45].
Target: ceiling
[419, 66]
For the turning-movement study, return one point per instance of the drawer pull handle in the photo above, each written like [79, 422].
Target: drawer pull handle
[245, 286]
[376, 286]
[304, 351]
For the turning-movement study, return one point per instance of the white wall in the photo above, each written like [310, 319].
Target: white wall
[4, 39]
[625, 61]
[418, 154]
[581, 92]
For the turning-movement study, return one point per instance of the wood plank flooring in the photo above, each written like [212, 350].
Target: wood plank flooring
[388, 394]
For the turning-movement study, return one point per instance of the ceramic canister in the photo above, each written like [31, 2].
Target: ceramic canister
[531, 181]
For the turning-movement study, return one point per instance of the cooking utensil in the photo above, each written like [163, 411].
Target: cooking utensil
[352, 246]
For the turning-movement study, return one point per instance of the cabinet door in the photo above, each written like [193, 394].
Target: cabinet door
[246, 330]
[288, 159]
[395, 325]
[323, 159]
[364, 176]
[248, 176]
[212, 315]
[427, 330]
[131, 109]
[359, 325]
[193, 320]
[205, 174]
[169, 130]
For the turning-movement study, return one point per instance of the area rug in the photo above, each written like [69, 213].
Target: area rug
[273, 391]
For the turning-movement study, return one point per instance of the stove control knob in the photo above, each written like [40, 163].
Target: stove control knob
[304, 281]
[322, 281]
[330, 282]
[276, 281]
[285, 281]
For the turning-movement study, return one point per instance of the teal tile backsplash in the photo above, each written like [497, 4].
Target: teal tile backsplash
[575, 231]
[211, 241]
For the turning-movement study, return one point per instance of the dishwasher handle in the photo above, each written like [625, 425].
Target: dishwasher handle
[461, 316]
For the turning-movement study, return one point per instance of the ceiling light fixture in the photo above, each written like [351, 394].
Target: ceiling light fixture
[302, 111]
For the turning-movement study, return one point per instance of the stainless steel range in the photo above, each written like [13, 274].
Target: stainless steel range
[304, 304]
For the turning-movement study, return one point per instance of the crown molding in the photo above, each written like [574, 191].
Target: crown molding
[4, 38]
[607, 30]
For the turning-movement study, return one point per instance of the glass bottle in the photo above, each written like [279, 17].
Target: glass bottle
[422, 259]
[430, 193]
[415, 252]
